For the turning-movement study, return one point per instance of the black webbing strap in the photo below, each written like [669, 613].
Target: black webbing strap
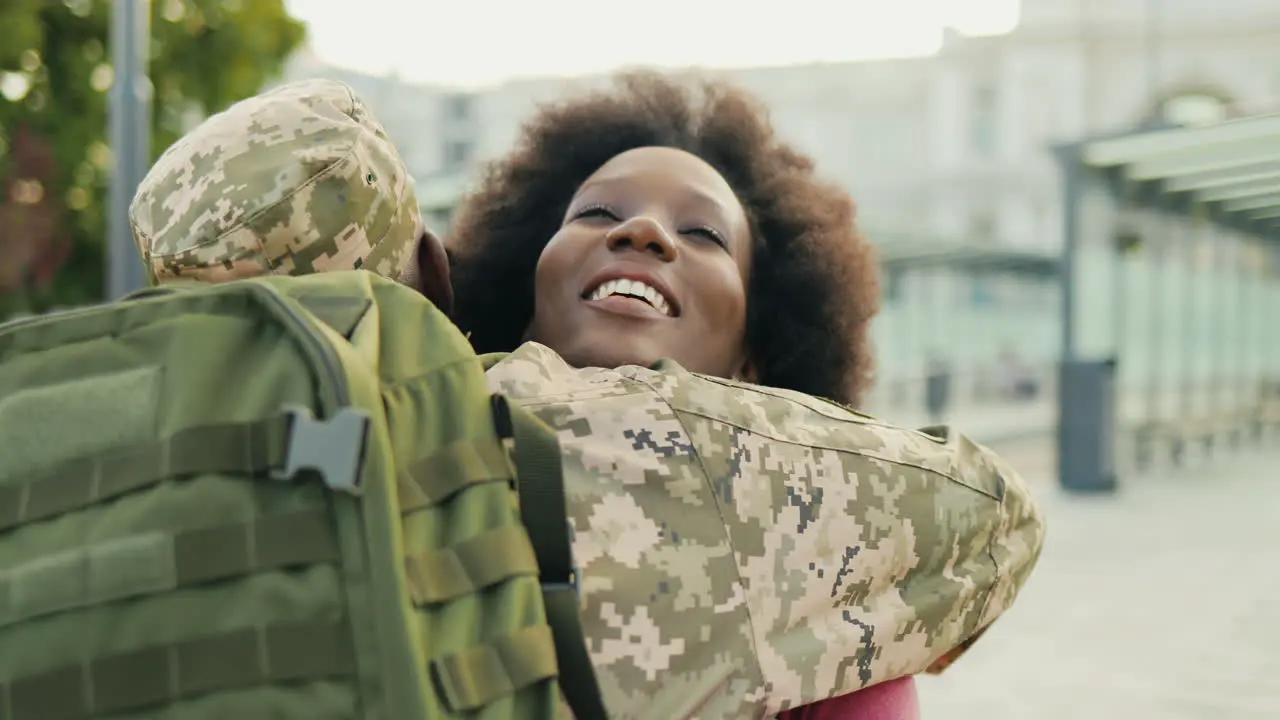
[540, 484]
[160, 675]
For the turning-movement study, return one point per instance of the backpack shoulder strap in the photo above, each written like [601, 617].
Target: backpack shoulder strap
[540, 479]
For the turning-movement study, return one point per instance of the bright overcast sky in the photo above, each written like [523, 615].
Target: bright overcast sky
[478, 42]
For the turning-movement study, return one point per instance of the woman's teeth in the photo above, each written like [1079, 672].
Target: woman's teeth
[635, 289]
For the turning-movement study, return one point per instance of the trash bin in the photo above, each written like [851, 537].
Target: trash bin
[1087, 425]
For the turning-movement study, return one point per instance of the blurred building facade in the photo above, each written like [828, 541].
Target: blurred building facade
[949, 147]
[948, 156]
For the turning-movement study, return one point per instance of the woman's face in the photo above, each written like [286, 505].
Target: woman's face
[651, 262]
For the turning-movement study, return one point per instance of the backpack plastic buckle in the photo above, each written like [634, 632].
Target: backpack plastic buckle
[333, 447]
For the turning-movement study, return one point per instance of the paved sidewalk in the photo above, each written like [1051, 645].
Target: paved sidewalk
[1159, 603]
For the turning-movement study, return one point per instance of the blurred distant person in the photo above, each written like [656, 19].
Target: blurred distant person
[1017, 381]
[937, 388]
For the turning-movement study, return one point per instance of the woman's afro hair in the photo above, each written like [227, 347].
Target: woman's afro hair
[814, 286]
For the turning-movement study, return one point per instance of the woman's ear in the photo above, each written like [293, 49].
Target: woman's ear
[428, 272]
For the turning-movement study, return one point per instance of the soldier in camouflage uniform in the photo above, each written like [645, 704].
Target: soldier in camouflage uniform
[743, 549]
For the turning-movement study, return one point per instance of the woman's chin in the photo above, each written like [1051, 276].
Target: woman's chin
[609, 355]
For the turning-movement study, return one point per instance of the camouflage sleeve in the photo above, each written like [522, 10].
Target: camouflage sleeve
[1015, 547]
[867, 552]
[746, 550]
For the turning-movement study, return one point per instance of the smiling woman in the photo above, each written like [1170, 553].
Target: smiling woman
[744, 548]
[759, 262]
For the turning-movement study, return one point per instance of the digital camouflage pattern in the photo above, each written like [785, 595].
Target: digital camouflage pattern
[297, 180]
[746, 550]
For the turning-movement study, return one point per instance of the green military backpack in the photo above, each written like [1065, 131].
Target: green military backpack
[276, 498]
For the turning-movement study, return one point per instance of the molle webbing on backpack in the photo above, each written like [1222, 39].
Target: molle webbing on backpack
[163, 674]
[107, 409]
[437, 477]
[240, 448]
[303, 508]
[156, 562]
[470, 566]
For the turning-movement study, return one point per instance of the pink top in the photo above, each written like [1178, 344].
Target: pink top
[892, 700]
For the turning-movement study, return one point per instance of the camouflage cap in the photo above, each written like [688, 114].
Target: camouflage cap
[297, 180]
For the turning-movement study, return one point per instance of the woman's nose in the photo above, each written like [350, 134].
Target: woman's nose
[643, 234]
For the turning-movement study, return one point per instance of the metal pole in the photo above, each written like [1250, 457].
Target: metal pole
[1072, 177]
[1121, 262]
[904, 342]
[929, 326]
[1184, 309]
[1267, 333]
[1217, 315]
[1262, 332]
[129, 129]
[1238, 281]
[1156, 256]
[1121, 302]
[1071, 198]
[1151, 40]
[1255, 327]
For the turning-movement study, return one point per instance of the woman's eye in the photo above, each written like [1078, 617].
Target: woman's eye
[709, 234]
[597, 211]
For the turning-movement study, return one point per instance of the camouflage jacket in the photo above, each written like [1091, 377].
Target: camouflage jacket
[746, 550]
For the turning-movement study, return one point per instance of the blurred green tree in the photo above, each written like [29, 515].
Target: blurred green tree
[55, 76]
